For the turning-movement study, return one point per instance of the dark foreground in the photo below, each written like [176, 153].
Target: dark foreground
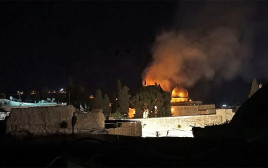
[120, 151]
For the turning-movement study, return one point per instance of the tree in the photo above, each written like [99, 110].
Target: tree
[76, 95]
[44, 93]
[153, 99]
[98, 101]
[137, 104]
[118, 87]
[124, 101]
[117, 115]
[106, 105]
[167, 106]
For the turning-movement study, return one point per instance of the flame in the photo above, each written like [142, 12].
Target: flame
[165, 85]
[131, 112]
[161, 71]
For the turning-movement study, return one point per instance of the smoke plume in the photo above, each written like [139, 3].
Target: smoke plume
[214, 48]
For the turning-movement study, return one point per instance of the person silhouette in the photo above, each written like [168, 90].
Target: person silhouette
[74, 120]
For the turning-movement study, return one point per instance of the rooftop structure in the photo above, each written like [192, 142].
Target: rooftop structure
[7, 104]
[181, 105]
[179, 94]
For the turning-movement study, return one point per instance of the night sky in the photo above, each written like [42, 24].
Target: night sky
[45, 43]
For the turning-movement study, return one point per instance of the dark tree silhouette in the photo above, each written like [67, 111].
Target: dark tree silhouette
[106, 105]
[77, 95]
[123, 100]
[44, 93]
[98, 101]
[154, 99]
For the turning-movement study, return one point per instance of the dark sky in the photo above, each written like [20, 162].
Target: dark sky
[44, 43]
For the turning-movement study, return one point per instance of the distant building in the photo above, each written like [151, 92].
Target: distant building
[7, 104]
[186, 114]
[181, 105]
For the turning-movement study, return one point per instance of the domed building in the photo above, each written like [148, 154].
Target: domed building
[179, 94]
[181, 105]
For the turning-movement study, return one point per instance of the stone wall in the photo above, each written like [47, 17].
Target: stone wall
[184, 110]
[191, 110]
[206, 112]
[226, 114]
[206, 109]
[51, 120]
[127, 129]
[90, 121]
[206, 106]
[181, 126]
[40, 120]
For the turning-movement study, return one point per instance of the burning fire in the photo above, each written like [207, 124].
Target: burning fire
[164, 84]
[188, 56]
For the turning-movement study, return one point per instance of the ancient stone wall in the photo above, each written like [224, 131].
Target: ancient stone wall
[90, 121]
[40, 120]
[184, 110]
[51, 120]
[206, 109]
[206, 106]
[181, 126]
[127, 129]
[226, 114]
[191, 110]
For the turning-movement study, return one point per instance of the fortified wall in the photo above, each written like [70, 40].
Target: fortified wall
[51, 120]
[181, 126]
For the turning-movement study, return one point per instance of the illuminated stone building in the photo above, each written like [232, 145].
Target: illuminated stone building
[181, 105]
[186, 114]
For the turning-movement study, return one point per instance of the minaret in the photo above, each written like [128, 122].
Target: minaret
[254, 87]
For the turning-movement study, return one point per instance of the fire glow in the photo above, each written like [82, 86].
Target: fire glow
[186, 56]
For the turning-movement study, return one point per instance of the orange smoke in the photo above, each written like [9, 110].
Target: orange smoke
[212, 52]
[162, 70]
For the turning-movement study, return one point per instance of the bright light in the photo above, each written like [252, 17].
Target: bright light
[20, 93]
[61, 90]
[224, 105]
